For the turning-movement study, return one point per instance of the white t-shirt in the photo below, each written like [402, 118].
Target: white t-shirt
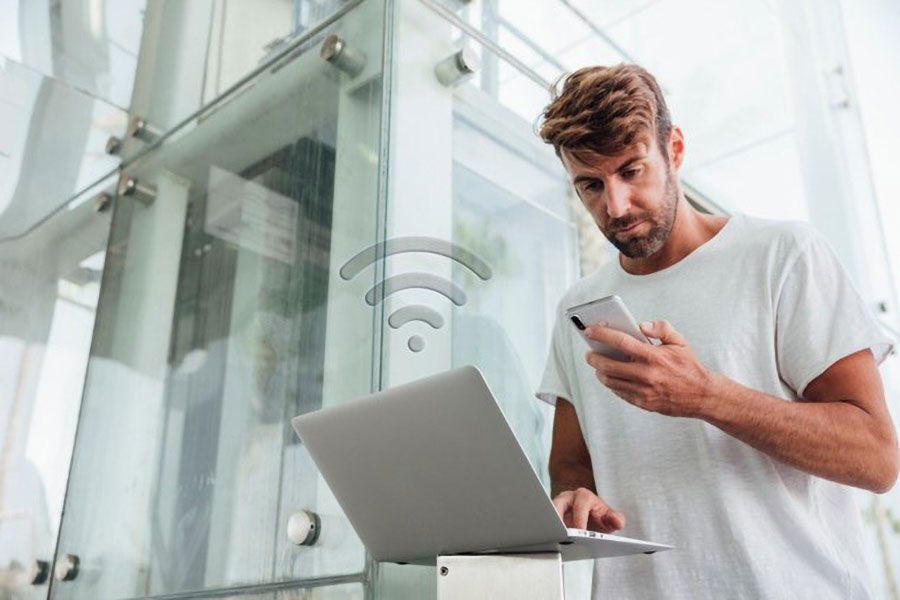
[767, 304]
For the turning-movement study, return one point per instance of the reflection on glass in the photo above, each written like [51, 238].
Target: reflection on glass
[51, 282]
[741, 112]
[91, 45]
[242, 35]
[48, 127]
[510, 210]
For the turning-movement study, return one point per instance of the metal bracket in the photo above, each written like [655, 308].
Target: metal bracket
[139, 128]
[113, 145]
[304, 528]
[457, 67]
[102, 202]
[130, 187]
[39, 572]
[66, 567]
[336, 51]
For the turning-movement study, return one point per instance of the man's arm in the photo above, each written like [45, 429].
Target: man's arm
[570, 462]
[842, 431]
[572, 479]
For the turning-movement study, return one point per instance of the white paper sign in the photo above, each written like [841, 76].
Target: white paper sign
[251, 216]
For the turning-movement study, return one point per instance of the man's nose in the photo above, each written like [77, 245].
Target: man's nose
[618, 200]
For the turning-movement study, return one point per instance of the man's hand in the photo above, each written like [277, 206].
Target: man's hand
[667, 379]
[583, 509]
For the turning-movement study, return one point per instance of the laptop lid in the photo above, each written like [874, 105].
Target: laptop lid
[430, 467]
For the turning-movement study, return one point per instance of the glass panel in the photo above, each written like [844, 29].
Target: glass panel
[48, 299]
[509, 207]
[90, 45]
[467, 168]
[244, 35]
[194, 51]
[47, 126]
[739, 108]
[222, 316]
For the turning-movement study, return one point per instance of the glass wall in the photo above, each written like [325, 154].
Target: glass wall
[221, 316]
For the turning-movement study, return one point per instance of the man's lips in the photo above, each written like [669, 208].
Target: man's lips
[629, 228]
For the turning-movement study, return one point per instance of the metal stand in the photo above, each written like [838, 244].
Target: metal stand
[500, 577]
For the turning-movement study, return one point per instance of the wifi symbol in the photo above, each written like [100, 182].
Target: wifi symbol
[405, 281]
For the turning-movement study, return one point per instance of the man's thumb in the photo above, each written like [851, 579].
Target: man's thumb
[664, 332]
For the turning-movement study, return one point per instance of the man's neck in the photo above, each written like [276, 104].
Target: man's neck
[691, 230]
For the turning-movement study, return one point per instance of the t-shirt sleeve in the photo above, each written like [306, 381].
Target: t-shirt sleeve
[820, 317]
[558, 370]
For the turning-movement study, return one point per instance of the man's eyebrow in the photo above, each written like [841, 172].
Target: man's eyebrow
[621, 168]
[581, 178]
[629, 162]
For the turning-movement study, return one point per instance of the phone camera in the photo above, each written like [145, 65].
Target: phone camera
[577, 322]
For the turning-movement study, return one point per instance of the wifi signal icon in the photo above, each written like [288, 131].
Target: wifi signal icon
[405, 281]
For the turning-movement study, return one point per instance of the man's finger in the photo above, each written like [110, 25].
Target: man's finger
[563, 502]
[629, 391]
[581, 510]
[620, 340]
[607, 520]
[664, 332]
[616, 368]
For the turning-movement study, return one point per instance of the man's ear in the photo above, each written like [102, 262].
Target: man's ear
[676, 146]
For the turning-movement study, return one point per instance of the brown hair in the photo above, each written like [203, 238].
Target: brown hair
[606, 110]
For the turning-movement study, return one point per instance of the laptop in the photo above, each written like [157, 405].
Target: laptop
[433, 468]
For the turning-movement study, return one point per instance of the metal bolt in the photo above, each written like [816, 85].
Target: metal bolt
[457, 67]
[39, 572]
[336, 51]
[304, 527]
[102, 202]
[113, 145]
[129, 186]
[140, 129]
[445, 571]
[66, 568]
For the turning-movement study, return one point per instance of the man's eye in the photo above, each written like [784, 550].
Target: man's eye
[630, 173]
[593, 186]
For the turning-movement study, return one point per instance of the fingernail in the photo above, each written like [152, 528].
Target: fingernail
[646, 325]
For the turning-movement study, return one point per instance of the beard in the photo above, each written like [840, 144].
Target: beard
[661, 221]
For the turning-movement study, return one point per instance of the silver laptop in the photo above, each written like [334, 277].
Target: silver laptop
[432, 468]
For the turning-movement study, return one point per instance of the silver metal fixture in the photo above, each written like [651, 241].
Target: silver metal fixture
[66, 568]
[130, 187]
[39, 572]
[102, 201]
[473, 32]
[336, 51]
[457, 67]
[303, 528]
[140, 129]
[113, 145]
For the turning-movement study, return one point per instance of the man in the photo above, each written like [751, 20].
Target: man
[736, 437]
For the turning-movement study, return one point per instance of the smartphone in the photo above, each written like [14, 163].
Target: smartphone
[611, 311]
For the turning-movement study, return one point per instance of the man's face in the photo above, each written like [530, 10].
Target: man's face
[632, 196]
